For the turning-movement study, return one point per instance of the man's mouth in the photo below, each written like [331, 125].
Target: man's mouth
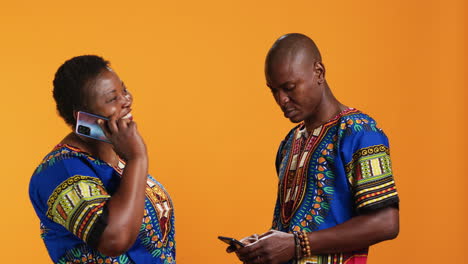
[288, 113]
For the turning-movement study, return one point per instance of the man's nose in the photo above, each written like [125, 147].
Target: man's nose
[283, 98]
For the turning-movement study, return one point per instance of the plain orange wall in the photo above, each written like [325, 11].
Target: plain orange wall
[211, 126]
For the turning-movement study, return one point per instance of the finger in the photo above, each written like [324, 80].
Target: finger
[112, 123]
[122, 124]
[251, 251]
[132, 126]
[104, 127]
[244, 251]
[253, 260]
[266, 234]
[230, 249]
[257, 260]
[251, 236]
[249, 239]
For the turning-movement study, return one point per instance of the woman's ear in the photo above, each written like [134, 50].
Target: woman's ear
[75, 116]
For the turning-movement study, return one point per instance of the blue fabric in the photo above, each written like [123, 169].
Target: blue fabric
[67, 173]
[349, 172]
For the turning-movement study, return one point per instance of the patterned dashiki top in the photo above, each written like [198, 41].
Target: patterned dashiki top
[69, 190]
[340, 170]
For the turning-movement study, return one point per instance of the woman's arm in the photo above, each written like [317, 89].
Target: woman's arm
[126, 206]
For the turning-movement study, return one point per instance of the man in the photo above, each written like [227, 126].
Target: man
[336, 193]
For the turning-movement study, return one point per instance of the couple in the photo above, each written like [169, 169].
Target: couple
[336, 196]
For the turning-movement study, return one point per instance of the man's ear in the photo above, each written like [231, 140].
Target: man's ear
[319, 69]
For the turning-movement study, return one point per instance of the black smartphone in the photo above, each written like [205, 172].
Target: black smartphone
[87, 126]
[231, 241]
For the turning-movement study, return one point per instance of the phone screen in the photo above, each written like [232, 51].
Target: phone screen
[87, 126]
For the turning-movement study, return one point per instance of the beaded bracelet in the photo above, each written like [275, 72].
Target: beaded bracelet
[304, 239]
[297, 245]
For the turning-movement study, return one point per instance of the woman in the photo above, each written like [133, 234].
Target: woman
[95, 200]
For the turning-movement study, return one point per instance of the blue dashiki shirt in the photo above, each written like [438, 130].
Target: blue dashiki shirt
[340, 170]
[69, 191]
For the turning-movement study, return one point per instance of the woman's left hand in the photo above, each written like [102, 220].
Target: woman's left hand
[272, 247]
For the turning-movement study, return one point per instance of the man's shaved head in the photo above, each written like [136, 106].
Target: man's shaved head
[292, 46]
[295, 74]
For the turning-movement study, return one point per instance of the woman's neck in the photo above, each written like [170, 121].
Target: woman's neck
[98, 149]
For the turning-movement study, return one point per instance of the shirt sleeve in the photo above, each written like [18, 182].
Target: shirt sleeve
[78, 203]
[369, 171]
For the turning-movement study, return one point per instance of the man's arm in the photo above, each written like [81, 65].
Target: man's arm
[359, 232]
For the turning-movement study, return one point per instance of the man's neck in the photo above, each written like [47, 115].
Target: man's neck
[328, 108]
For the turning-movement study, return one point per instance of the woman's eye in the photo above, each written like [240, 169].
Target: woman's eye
[112, 100]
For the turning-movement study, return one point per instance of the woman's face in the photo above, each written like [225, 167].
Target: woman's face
[107, 95]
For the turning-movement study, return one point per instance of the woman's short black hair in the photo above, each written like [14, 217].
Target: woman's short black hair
[69, 81]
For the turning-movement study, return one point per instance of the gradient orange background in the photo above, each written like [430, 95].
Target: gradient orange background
[211, 126]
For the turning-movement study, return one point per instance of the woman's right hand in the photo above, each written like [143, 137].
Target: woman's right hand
[125, 138]
[126, 206]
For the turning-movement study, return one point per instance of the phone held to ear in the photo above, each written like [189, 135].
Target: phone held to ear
[232, 242]
[87, 126]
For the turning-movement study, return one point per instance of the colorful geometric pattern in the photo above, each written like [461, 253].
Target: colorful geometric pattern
[86, 255]
[292, 186]
[77, 203]
[158, 239]
[356, 124]
[354, 258]
[62, 152]
[63, 197]
[44, 230]
[330, 175]
[370, 173]
[314, 175]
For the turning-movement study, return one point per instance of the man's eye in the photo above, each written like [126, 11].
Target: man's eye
[290, 87]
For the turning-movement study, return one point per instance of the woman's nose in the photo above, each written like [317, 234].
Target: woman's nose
[126, 100]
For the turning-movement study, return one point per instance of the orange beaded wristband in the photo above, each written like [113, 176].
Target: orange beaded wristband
[305, 246]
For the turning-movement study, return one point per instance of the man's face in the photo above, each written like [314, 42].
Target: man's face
[294, 83]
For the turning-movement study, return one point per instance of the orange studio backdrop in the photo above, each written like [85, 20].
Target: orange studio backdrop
[210, 123]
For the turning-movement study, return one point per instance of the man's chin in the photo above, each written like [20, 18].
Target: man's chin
[295, 119]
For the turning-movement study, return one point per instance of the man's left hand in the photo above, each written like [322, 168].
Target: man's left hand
[272, 247]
